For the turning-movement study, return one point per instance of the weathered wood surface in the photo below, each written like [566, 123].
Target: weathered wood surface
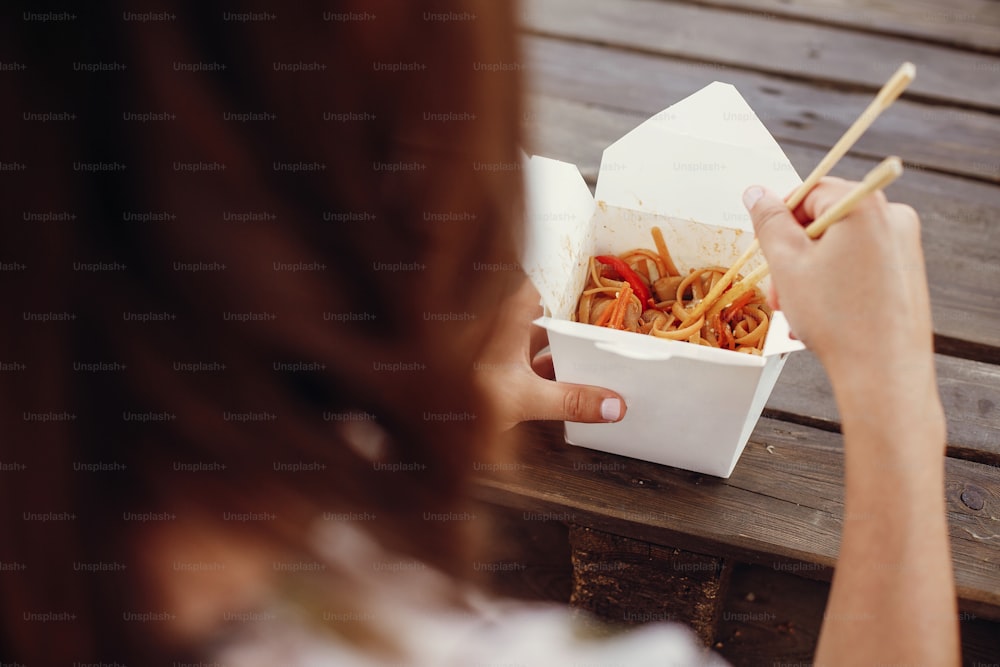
[596, 69]
[961, 242]
[783, 504]
[969, 24]
[930, 136]
[970, 393]
[805, 51]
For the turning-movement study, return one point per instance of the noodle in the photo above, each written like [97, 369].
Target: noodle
[611, 298]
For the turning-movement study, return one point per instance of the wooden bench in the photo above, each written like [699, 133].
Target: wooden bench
[747, 561]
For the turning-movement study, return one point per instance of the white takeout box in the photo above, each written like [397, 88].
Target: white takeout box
[684, 170]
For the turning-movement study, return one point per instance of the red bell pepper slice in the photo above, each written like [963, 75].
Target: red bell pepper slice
[629, 276]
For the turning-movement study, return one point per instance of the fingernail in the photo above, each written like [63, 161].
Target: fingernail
[752, 195]
[611, 409]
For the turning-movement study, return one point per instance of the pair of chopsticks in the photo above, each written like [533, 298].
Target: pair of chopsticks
[880, 177]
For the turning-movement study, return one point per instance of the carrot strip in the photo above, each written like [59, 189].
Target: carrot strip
[618, 318]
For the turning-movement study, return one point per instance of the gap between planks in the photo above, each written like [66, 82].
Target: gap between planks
[927, 136]
[824, 55]
[883, 21]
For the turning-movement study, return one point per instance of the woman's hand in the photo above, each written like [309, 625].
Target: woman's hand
[858, 298]
[519, 382]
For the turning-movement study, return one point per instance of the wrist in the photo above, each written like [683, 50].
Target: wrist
[891, 411]
[900, 420]
[868, 377]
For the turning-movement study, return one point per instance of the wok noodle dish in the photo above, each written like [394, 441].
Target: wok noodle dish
[642, 291]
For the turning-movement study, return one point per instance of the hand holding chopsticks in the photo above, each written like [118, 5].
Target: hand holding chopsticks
[885, 97]
[878, 178]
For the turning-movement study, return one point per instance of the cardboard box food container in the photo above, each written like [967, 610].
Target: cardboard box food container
[684, 170]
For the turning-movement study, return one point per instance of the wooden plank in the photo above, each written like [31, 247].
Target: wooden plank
[939, 138]
[789, 48]
[783, 504]
[959, 229]
[630, 582]
[971, 24]
[970, 393]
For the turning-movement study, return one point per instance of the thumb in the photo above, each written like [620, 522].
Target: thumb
[561, 401]
[779, 233]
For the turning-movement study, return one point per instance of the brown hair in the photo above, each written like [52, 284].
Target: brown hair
[354, 172]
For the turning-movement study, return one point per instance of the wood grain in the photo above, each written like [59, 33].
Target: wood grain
[783, 504]
[970, 24]
[938, 138]
[970, 393]
[805, 51]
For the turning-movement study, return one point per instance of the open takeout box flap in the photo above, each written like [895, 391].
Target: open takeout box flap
[779, 339]
[694, 160]
[717, 112]
[559, 234]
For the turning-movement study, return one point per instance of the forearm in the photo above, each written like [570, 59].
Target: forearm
[893, 597]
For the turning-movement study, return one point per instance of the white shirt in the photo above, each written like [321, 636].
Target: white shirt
[489, 633]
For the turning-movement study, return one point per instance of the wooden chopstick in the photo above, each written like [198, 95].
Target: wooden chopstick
[887, 171]
[892, 89]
